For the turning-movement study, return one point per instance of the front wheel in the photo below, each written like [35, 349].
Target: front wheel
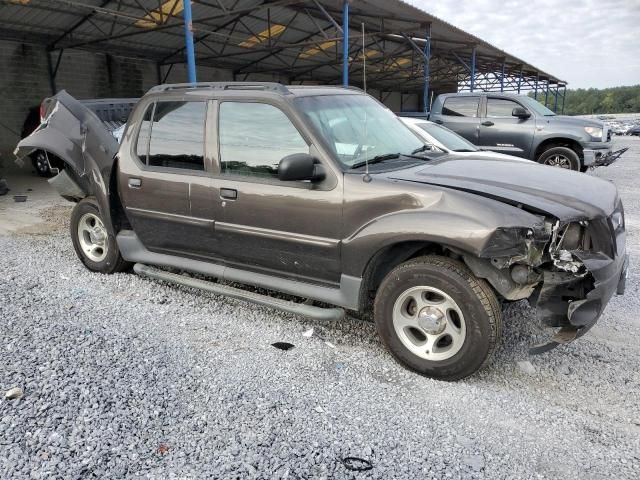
[561, 157]
[94, 246]
[437, 318]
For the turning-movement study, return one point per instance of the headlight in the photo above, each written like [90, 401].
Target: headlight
[595, 132]
[617, 218]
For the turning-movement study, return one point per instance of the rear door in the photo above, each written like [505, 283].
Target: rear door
[167, 171]
[500, 131]
[461, 114]
[292, 228]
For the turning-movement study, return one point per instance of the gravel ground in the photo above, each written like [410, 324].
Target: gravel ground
[125, 377]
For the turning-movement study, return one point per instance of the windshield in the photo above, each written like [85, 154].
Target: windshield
[536, 106]
[358, 128]
[449, 140]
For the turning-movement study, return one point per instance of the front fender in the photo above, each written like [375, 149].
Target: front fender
[458, 220]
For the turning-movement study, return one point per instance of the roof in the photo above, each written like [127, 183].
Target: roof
[299, 40]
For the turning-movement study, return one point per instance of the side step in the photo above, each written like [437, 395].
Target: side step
[316, 313]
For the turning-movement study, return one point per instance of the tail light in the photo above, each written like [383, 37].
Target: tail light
[43, 110]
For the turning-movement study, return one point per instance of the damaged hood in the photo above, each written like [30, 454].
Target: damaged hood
[565, 194]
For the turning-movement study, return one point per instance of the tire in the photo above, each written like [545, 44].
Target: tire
[560, 157]
[95, 248]
[464, 304]
[40, 163]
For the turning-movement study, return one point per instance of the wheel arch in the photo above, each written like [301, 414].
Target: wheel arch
[392, 255]
[559, 142]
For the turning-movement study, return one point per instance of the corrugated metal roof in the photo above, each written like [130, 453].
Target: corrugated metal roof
[306, 47]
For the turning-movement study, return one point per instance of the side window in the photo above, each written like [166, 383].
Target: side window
[461, 106]
[254, 137]
[142, 144]
[177, 135]
[500, 107]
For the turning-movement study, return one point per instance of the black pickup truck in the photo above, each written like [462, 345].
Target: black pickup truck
[519, 125]
[323, 193]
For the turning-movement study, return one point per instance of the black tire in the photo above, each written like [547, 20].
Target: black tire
[112, 261]
[40, 164]
[475, 298]
[563, 154]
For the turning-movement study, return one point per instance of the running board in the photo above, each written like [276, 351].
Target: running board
[316, 313]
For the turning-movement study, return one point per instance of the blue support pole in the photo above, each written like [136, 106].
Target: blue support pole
[546, 93]
[555, 102]
[520, 80]
[535, 92]
[345, 43]
[564, 95]
[473, 68]
[427, 71]
[502, 77]
[188, 38]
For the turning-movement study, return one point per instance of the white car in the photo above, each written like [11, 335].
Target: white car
[448, 141]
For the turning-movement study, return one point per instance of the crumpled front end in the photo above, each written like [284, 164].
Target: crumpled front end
[567, 270]
[589, 266]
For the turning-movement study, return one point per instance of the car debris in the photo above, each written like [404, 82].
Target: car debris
[14, 393]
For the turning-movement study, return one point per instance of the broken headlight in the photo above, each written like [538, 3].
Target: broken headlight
[617, 218]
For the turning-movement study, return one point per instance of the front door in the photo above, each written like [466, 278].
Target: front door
[287, 228]
[501, 132]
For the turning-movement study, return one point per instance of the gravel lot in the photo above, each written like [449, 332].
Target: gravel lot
[125, 377]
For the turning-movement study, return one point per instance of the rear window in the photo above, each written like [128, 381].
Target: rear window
[461, 106]
[172, 135]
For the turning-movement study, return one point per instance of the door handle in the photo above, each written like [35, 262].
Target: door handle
[228, 193]
[488, 123]
[439, 122]
[135, 182]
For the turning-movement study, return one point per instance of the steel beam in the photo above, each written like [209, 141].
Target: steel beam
[502, 75]
[345, 43]
[555, 102]
[535, 92]
[188, 38]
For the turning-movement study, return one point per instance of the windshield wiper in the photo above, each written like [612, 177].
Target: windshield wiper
[376, 159]
[423, 148]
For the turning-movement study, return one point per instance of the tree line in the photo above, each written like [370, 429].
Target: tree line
[590, 101]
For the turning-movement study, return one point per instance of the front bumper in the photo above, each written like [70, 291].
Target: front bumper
[599, 154]
[606, 277]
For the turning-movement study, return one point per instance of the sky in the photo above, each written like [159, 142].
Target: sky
[588, 43]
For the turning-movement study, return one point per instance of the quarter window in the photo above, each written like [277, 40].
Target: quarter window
[176, 136]
[142, 144]
[254, 137]
[500, 107]
[461, 106]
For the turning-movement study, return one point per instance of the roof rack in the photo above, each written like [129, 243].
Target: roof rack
[272, 86]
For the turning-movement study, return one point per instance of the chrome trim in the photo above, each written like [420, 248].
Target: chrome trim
[174, 217]
[276, 234]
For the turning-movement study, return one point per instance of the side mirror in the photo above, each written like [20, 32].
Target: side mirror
[299, 166]
[520, 112]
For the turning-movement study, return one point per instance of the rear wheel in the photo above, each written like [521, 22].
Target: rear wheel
[561, 157]
[40, 162]
[437, 318]
[94, 246]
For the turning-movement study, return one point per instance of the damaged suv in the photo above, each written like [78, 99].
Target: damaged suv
[323, 193]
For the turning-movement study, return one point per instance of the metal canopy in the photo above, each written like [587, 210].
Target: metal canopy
[405, 48]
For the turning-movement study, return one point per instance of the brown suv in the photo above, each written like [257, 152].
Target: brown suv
[323, 193]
